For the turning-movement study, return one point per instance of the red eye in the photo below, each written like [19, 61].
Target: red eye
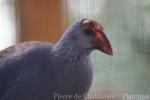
[88, 32]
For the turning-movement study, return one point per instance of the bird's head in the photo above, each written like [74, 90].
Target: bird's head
[89, 35]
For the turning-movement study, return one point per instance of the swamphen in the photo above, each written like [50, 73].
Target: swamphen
[44, 71]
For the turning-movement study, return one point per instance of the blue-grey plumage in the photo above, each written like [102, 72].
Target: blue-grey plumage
[44, 71]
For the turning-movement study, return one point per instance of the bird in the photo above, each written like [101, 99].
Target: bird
[37, 70]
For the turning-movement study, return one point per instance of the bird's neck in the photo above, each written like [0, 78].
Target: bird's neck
[69, 49]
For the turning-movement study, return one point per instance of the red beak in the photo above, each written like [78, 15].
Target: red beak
[102, 43]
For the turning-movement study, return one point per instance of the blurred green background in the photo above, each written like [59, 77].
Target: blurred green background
[126, 23]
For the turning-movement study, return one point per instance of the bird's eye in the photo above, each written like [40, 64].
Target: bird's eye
[88, 32]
